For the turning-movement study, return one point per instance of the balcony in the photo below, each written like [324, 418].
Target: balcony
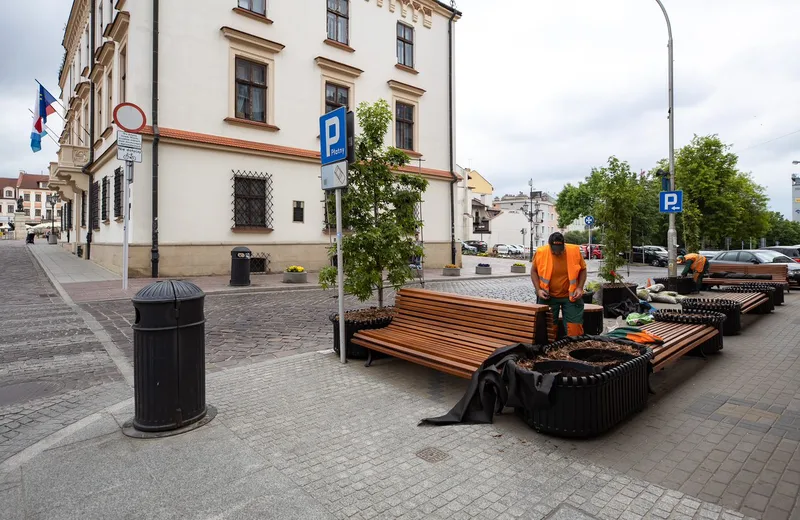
[69, 168]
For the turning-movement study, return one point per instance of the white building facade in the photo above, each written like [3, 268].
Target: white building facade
[516, 209]
[232, 98]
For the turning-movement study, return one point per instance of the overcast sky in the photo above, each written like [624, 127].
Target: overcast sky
[546, 89]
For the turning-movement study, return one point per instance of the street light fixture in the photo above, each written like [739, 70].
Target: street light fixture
[52, 199]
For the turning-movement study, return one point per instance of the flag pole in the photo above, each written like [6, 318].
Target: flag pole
[49, 130]
[65, 110]
[57, 101]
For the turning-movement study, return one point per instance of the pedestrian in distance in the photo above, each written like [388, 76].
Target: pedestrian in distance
[558, 274]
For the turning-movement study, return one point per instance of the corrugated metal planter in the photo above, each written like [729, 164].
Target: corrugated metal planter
[686, 285]
[698, 317]
[351, 328]
[731, 309]
[589, 405]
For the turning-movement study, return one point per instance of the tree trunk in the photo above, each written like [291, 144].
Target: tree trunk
[380, 295]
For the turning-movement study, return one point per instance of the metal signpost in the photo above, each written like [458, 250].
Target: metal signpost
[589, 221]
[131, 119]
[334, 136]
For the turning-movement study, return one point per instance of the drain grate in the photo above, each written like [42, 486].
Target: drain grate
[23, 392]
[432, 455]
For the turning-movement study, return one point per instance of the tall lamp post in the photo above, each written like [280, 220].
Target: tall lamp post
[52, 199]
[672, 235]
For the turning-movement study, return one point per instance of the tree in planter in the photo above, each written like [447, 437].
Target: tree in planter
[618, 190]
[378, 210]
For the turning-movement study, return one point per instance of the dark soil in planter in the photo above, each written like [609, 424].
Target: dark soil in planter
[357, 320]
[366, 315]
[600, 357]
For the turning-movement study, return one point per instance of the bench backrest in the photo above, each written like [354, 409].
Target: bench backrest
[779, 272]
[454, 314]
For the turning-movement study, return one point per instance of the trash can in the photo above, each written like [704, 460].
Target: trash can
[169, 356]
[240, 266]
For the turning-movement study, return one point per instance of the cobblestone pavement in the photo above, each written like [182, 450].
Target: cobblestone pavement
[52, 369]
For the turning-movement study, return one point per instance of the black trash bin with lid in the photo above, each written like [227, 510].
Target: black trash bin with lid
[240, 266]
[169, 356]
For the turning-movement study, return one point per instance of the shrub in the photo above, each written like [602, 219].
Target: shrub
[295, 269]
[519, 264]
[451, 266]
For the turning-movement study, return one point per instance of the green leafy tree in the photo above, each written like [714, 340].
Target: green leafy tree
[576, 237]
[615, 207]
[378, 210]
[783, 231]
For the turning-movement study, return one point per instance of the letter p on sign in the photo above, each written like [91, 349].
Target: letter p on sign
[331, 134]
[671, 202]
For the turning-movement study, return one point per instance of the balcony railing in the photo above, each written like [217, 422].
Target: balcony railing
[71, 156]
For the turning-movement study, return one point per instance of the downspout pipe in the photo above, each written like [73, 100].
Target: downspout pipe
[156, 139]
[88, 166]
[452, 144]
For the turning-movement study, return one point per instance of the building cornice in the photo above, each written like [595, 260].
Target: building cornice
[251, 40]
[405, 88]
[106, 54]
[335, 66]
[415, 8]
[119, 27]
[78, 17]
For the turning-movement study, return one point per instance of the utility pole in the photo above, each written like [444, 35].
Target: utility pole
[672, 234]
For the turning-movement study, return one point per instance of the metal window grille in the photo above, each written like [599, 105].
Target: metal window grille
[118, 192]
[94, 213]
[259, 263]
[104, 202]
[252, 199]
[69, 215]
[83, 208]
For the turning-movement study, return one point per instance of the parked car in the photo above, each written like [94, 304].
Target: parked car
[480, 245]
[656, 256]
[500, 249]
[710, 254]
[521, 248]
[467, 249]
[597, 251]
[758, 256]
[792, 252]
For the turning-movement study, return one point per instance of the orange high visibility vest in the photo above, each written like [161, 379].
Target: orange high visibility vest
[698, 261]
[543, 262]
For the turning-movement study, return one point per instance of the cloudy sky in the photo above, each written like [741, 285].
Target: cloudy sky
[547, 89]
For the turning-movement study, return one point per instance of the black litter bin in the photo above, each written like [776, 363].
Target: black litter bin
[240, 266]
[169, 356]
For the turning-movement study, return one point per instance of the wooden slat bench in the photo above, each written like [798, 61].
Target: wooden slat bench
[778, 272]
[679, 339]
[454, 333]
[749, 301]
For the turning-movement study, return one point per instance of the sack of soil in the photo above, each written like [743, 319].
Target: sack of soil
[522, 375]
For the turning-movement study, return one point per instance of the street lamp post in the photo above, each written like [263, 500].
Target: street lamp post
[52, 200]
[672, 235]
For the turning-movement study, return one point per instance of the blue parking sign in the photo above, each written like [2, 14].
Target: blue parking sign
[333, 136]
[670, 202]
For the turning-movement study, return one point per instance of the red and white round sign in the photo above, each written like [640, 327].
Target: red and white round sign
[129, 117]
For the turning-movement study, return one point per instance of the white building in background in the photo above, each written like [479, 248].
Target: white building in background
[34, 191]
[514, 217]
[240, 88]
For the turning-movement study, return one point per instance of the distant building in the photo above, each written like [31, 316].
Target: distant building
[516, 216]
[34, 191]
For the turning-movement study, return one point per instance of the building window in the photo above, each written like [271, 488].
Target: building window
[83, 209]
[336, 96]
[99, 126]
[100, 18]
[94, 207]
[123, 72]
[38, 213]
[10, 208]
[9, 194]
[118, 192]
[338, 21]
[405, 45]
[109, 97]
[27, 213]
[27, 197]
[298, 211]
[256, 6]
[251, 90]
[104, 201]
[252, 200]
[404, 129]
[69, 214]
[38, 197]
[48, 215]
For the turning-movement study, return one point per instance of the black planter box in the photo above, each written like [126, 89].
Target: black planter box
[685, 285]
[774, 292]
[697, 317]
[593, 323]
[615, 293]
[351, 328]
[731, 309]
[589, 405]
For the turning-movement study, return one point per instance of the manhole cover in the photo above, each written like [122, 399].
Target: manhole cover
[432, 455]
[23, 392]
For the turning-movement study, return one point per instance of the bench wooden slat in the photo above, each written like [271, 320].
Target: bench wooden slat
[679, 338]
[468, 317]
[452, 324]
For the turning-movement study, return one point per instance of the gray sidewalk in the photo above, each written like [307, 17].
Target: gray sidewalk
[68, 268]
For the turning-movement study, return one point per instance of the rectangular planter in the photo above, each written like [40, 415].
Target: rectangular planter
[590, 405]
[518, 269]
[483, 270]
[448, 271]
[295, 277]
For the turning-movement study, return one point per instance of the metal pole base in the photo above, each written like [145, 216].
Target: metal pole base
[130, 431]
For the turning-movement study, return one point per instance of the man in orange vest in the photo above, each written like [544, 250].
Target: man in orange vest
[558, 275]
[698, 264]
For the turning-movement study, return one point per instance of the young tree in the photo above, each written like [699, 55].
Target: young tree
[378, 210]
[615, 207]
[576, 237]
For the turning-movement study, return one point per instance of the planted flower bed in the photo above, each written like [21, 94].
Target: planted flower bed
[731, 309]
[581, 386]
[357, 320]
[518, 267]
[483, 269]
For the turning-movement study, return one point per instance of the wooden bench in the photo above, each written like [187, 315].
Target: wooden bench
[778, 272]
[679, 339]
[749, 301]
[454, 333]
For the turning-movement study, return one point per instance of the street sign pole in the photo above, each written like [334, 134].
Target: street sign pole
[340, 275]
[126, 212]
